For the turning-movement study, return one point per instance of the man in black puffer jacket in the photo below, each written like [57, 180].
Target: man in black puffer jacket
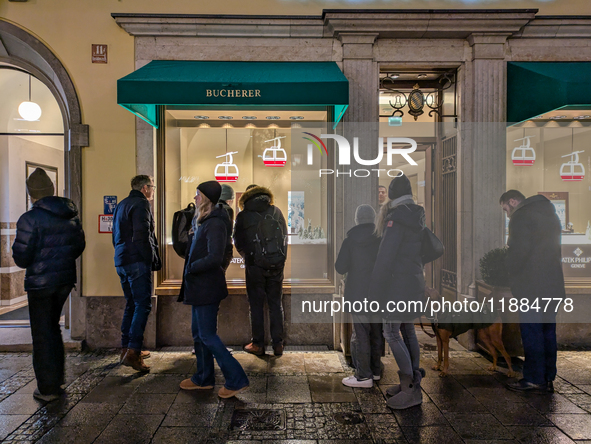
[261, 283]
[49, 239]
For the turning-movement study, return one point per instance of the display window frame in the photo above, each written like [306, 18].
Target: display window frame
[166, 286]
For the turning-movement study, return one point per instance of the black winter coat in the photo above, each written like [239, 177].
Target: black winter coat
[229, 251]
[133, 232]
[204, 280]
[534, 258]
[49, 239]
[256, 202]
[398, 272]
[357, 258]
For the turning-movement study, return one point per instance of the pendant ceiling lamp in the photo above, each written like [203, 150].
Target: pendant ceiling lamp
[29, 110]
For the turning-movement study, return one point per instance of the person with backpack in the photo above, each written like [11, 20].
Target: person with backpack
[204, 287]
[260, 236]
[356, 259]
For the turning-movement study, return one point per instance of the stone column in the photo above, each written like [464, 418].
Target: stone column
[482, 153]
[361, 69]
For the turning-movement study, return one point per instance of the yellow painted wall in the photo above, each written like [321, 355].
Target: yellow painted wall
[69, 27]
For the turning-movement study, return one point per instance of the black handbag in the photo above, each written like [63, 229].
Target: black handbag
[431, 247]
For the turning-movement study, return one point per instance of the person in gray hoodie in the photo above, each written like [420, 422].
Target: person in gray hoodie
[356, 259]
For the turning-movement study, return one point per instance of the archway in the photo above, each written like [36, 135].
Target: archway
[20, 49]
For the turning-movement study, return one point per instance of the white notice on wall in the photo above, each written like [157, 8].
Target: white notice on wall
[105, 223]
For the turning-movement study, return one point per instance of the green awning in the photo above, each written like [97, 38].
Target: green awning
[248, 84]
[534, 88]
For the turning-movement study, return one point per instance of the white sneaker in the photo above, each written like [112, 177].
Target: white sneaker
[376, 377]
[352, 381]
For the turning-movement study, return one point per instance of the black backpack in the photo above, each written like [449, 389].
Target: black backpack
[269, 243]
[181, 225]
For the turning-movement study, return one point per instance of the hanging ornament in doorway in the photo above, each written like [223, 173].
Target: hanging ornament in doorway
[226, 171]
[275, 156]
[523, 155]
[573, 170]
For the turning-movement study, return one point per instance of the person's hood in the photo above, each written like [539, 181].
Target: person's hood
[409, 215]
[60, 206]
[362, 234]
[256, 199]
[217, 211]
[538, 204]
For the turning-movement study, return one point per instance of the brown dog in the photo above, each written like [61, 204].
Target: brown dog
[492, 336]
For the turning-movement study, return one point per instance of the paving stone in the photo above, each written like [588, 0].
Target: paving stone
[473, 381]
[519, 414]
[576, 426]
[322, 363]
[171, 363]
[190, 415]
[128, 428]
[257, 390]
[420, 416]
[161, 384]
[539, 435]
[9, 423]
[384, 429]
[288, 389]
[180, 435]
[436, 384]
[114, 389]
[81, 434]
[371, 400]
[91, 414]
[478, 426]
[461, 401]
[252, 364]
[198, 396]
[288, 364]
[149, 403]
[330, 389]
[23, 404]
[555, 403]
[437, 434]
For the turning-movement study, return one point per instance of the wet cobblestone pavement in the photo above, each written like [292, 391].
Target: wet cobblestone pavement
[297, 398]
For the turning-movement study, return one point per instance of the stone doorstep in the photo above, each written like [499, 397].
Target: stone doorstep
[18, 339]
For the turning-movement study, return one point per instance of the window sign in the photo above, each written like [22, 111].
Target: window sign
[110, 203]
[105, 223]
[560, 202]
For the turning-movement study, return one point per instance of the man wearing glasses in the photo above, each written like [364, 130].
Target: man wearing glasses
[136, 257]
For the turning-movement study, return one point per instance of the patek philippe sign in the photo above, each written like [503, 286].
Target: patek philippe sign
[576, 260]
[233, 93]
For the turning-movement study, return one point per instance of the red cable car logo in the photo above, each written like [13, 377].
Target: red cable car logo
[523, 155]
[572, 171]
[275, 156]
[226, 171]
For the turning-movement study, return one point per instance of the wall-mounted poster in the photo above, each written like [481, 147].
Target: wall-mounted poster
[51, 172]
[560, 201]
[295, 215]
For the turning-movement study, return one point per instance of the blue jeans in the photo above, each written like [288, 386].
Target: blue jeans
[539, 346]
[405, 349]
[204, 325]
[136, 281]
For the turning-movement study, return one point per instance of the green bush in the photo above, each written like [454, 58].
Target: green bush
[492, 268]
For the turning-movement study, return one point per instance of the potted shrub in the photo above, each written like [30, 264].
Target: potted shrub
[495, 285]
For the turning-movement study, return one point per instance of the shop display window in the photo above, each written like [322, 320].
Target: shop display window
[246, 147]
[552, 157]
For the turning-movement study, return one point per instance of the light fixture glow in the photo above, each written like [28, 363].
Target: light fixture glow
[249, 117]
[202, 117]
[394, 76]
[422, 76]
[273, 117]
[29, 110]
[297, 117]
[273, 125]
[227, 125]
[250, 125]
[225, 117]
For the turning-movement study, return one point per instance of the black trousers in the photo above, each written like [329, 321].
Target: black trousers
[45, 308]
[264, 285]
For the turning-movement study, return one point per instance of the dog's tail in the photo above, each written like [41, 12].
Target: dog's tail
[426, 332]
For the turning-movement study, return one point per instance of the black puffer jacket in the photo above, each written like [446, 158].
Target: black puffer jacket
[49, 239]
[534, 258]
[204, 280]
[256, 202]
[229, 251]
[357, 258]
[398, 272]
[133, 232]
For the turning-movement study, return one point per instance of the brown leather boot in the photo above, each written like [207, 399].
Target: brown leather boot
[254, 349]
[134, 360]
[145, 354]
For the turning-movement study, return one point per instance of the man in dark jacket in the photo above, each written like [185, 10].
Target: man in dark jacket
[49, 239]
[356, 258]
[534, 263]
[136, 257]
[257, 203]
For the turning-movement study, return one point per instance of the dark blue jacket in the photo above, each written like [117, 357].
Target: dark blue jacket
[49, 239]
[357, 258]
[204, 280]
[133, 232]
